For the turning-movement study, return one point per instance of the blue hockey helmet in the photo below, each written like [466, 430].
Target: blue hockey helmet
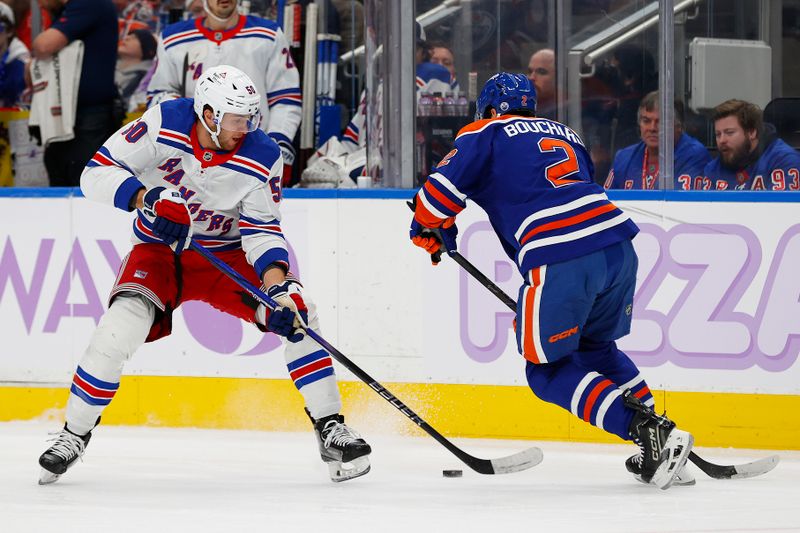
[505, 92]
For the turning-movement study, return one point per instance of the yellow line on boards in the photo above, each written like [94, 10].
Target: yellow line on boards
[480, 411]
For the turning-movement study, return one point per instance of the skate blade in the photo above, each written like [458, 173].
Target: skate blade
[343, 471]
[678, 445]
[684, 478]
[46, 477]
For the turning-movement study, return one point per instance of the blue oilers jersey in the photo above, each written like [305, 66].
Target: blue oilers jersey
[633, 170]
[233, 197]
[778, 169]
[534, 179]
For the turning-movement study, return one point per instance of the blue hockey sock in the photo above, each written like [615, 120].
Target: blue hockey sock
[605, 358]
[588, 395]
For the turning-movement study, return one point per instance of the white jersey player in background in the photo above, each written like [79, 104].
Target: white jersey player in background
[200, 168]
[252, 44]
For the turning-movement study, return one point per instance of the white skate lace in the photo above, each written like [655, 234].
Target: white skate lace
[639, 458]
[67, 445]
[338, 434]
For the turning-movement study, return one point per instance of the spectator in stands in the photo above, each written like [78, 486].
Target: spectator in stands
[751, 156]
[542, 73]
[95, 23]
[14, 56]
[431, 77]
[135, 56]
[136, 15]
[636, 166]
[441, 54]
[194, 9]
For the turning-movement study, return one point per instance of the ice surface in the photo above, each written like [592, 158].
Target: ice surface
[156, 479]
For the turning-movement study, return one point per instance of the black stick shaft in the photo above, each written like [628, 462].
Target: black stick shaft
[483, 280]
[482, 466]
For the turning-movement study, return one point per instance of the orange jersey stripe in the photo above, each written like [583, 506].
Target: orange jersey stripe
[449, 204]
[425, 217]
[642, 392]
[577, 219]
[478, 124]
[529, 347]
[600, 387]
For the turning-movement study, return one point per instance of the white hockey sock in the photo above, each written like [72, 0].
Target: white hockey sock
[121, 331]
[311, 369]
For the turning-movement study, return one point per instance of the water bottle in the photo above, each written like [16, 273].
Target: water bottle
[462, 105]
[424, 105]
[420, 154]
[449, 105]
[438, 105]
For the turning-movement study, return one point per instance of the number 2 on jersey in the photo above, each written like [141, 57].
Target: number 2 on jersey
[557, 173]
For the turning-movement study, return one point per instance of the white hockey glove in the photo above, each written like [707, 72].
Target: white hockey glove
[290, 318]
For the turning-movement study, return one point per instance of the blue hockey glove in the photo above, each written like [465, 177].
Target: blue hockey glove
[290, 319]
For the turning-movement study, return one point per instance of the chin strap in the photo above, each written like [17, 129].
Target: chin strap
[214, 138]
[214, 134]
[235, 14]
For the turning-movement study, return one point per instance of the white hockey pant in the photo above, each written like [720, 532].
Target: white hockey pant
[122, 330]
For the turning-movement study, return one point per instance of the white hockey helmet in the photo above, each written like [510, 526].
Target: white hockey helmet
[232, 97]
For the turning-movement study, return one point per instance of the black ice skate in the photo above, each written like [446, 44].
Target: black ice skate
[665, 448]
[683, 478]
[342, 448]
[62, 455]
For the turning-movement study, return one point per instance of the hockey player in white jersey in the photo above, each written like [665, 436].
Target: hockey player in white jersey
[200, 168]
[252, 44]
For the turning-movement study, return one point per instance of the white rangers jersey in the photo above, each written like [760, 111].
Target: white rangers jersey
[255, 45]
[233, 197]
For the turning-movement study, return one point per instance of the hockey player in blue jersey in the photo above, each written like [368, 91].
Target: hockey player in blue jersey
[750, 157]
[636, 166]
[534, 179]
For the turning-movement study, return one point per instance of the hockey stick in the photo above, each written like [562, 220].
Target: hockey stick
[503, 465]
[752, 469]
[183, 76]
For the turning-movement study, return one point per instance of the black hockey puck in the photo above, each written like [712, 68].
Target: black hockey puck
[452, 473]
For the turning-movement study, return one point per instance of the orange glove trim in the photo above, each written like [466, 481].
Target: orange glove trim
[429, 244]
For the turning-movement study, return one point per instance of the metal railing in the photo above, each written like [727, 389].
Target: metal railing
[586, 53]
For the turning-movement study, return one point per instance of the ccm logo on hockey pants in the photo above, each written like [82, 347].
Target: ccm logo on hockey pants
[582, 298]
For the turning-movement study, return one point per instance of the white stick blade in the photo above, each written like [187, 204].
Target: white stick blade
[519, 461]
[756, 468]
